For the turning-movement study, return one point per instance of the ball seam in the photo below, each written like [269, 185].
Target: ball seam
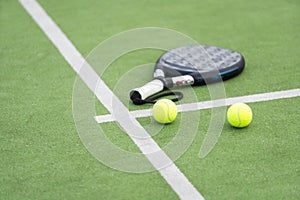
[168, 111]
[238, 114]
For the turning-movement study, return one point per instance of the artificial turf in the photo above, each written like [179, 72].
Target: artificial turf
[42, 156]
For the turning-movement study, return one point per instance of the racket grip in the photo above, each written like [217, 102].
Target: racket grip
[137, 95]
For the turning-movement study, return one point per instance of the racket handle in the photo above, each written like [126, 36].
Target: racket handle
[137, 95]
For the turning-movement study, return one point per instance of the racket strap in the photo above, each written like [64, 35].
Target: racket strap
[138, 101]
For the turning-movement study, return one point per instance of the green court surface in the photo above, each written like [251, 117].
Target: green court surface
[42, 156]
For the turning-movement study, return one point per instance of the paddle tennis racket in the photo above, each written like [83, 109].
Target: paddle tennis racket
[189, 65]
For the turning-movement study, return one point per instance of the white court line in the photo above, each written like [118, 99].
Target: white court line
[174, 177]
[211, 104]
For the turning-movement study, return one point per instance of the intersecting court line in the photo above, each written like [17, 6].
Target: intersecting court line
[212, 104]
[174, 177]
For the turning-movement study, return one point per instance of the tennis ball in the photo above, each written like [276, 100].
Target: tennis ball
[164, 111]
[239, 115]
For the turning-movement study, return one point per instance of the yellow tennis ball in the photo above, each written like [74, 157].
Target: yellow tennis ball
[239, 115]
[164, 111]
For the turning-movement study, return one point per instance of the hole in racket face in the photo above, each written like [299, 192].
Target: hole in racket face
[200, 61]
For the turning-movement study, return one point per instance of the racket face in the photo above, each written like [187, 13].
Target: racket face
[204, 63]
